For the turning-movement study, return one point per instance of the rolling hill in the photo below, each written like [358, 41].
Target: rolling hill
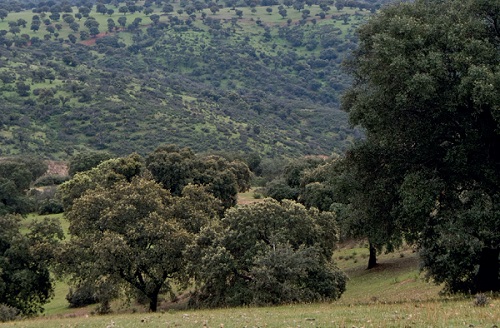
[264, 79]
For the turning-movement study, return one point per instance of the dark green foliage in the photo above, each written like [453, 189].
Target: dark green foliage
[266, 253]
[50, 206]
[279, 190]
[25, 282]
[15, 179]
[288, 184]
[3, 14]
[172, 167]
[81, 296]
[175, 168]
[429, 170]
[50, 180]
[86, 160]
[105, 174]
[35, 165]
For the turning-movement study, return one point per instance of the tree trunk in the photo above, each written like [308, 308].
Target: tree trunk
[372, 260]
[489, 268]
[153, 302]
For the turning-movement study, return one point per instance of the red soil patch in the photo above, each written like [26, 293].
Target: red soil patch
[91, 42]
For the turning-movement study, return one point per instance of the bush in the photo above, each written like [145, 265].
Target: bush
[103, 308]
[8, 313]
[266, 253]
[256, 195]
[50, 206]
[51, 180]
[279, 190]
[81, 296]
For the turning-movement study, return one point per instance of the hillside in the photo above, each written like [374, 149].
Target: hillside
[392, 295]
[263, 78]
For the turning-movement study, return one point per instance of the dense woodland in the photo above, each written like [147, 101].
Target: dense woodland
[148, 222]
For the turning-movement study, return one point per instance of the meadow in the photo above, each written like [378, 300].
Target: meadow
[394, 294]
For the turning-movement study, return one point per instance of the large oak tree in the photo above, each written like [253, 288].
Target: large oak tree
[426, 89]
[133, 234]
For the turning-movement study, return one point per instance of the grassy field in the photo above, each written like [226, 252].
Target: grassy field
[430, 314]
[394, 294]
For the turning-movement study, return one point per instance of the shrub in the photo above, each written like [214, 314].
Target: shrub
[50, 206]
[50, 180]
[481, 300]
[257, 195]
[8, 313]
[81, 296]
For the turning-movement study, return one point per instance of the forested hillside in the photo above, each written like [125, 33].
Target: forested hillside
[128, 76]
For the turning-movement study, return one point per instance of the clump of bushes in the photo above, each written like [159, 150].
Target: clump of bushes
[50, 206]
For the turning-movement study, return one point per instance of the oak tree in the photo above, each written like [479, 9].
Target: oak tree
[25, 257]
[426, 80]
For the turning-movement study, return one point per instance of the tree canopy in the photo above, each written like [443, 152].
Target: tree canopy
[133, 234]
[426, 81]
[130, 231]
[267, 253]
[25, 281]
[86, 160]
[176, 167]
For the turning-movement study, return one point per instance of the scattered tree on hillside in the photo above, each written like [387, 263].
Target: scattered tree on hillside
[74, 26]
[111, 25]
[122, 21]
[101, 8]
[22, 22]
[84, 11]
[3, 14]
[426, 81]
[167, 8]
[155, 19]
[123, 10]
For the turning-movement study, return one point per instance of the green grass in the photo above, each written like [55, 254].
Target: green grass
[452, 313]
[249, 197]
[394, 294]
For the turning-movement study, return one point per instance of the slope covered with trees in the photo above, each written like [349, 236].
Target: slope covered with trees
[126, 77]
